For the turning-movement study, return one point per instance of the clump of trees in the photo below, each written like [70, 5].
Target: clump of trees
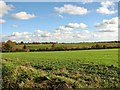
[9, 46]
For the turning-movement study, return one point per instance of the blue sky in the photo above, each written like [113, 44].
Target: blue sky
[47, 19]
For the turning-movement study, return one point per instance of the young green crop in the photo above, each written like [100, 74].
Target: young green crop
[63, 58]
[61, 69]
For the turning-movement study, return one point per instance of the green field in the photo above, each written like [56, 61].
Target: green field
[67, 69]
[107, 57]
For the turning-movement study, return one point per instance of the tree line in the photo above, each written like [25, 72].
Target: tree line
[11, 46]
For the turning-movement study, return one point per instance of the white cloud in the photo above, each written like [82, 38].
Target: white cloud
[61, 16]
[38, 31]
[71, 9]
[23, 16]
[105, 10]
[62, 36]
[42, 33]
[76, 25]
[2, 21]
[106, 4]
[107, 30]
[15, 26]
[64, 28]
[87, 1]
[20, 33]
[4, 8]
[18, 36]
[107, 7]
[72, 26]
[110, 25]
[46, 34]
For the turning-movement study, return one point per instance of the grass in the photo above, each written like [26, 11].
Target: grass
[61, 69]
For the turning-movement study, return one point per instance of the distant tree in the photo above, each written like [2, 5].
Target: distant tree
[104, 46]
[93, 46]
[97, 46]
[24, 47]
[22, 42]
[53, 45]
[9, 46]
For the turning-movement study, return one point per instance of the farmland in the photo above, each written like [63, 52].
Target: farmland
[61, 69]
[68, 45]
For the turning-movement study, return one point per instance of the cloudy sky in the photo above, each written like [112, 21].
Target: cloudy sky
[59, 21]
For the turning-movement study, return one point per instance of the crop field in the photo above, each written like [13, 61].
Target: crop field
[61, 69]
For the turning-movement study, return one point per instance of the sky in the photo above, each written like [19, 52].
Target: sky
[59, 21]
